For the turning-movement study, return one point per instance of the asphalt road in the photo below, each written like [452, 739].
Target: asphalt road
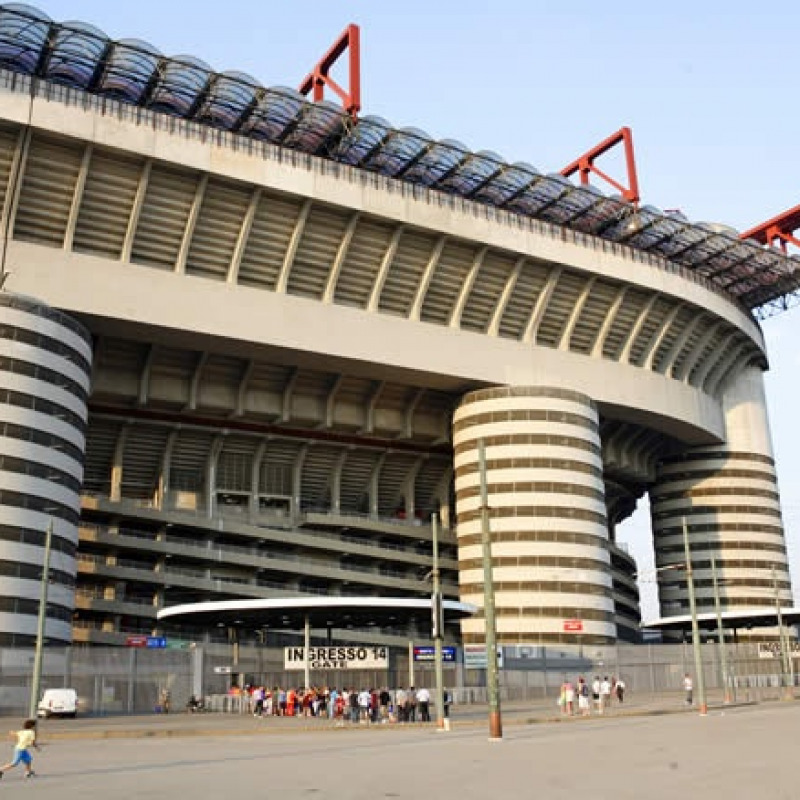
[745, 752]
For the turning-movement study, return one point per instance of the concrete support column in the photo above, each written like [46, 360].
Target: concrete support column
[551, 565]
[115, 493]
[255, 478]
[728, 495]
[211, 475]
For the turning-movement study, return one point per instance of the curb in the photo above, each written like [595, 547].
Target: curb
[176, 733]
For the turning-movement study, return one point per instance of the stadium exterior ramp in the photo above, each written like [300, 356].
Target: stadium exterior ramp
[295, 359]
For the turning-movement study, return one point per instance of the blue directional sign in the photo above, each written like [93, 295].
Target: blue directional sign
[423, 654]
[156, 641]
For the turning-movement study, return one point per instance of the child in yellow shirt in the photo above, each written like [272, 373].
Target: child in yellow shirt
[26, 740]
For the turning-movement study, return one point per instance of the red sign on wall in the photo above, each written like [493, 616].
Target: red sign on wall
[136, 641]
[573, 625]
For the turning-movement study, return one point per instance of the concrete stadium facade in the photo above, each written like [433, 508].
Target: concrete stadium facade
[294, 360]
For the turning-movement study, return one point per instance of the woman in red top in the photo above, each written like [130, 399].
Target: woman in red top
[291, 699]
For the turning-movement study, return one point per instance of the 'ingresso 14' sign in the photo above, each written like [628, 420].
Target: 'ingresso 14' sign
[336, 657]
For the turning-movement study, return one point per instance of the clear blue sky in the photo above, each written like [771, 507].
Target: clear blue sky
[708, 88]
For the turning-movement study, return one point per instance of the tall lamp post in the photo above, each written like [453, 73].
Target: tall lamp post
[723, 655]
[787, 667]
[438, 624]
[492, 677]
[698, 661]
[36, 680]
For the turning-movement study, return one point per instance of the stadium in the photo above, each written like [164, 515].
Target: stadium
[253, 342]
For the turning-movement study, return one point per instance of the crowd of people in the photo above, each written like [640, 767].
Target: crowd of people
[584, 698]
[345, 705]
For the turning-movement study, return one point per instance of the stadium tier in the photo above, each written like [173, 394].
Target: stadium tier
[302, 328]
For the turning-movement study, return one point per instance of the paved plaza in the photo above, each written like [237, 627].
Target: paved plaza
[742, 752]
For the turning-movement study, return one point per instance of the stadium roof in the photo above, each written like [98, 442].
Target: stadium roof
[764, 279]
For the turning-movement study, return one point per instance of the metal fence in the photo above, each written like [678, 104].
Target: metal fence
[109, 680]
[119, 680]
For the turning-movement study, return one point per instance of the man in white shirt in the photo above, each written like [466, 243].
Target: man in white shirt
[688, 686]
[596, 698]
[424, 700]
[605, 693]
[363, 704]
[400, 705]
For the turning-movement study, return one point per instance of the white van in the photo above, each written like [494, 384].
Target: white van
[58, 703]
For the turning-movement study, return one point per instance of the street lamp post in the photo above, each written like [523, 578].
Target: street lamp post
[492, 677]
[36, 680]
[438, 624]
[723, 656]
[787, 668]
[698, 661]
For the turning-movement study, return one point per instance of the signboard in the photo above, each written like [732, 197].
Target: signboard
[146, 641]
[336, 657]
[222, 670]
[428, 654]
[573, 626]
[475, 656]
[773, 649]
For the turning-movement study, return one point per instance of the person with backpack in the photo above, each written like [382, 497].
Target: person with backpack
[354, 707]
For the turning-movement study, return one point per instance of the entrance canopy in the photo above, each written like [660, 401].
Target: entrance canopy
[735, 619]
[321, 612]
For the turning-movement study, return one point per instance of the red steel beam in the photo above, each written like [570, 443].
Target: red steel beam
[584, 165]
[778, 229]
[319, 77]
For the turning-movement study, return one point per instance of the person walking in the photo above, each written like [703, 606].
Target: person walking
[619, 688]
[688, 687]
[26, 739]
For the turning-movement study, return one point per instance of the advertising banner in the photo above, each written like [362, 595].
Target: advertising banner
[425, 654]
[475, 656]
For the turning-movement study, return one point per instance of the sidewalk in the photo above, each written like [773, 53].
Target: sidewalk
[216, 724]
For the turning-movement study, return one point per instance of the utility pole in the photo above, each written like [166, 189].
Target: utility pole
[307, 653]
[492, 673]
[723, 656]
[40, 628]
[698, 661]
[438, 624]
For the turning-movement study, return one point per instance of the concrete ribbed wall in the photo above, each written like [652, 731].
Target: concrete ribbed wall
[548, 515]
[728, 496]
[45, 367]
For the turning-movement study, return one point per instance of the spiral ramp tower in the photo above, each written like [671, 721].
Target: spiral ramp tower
[45, 371]
[302, 324]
